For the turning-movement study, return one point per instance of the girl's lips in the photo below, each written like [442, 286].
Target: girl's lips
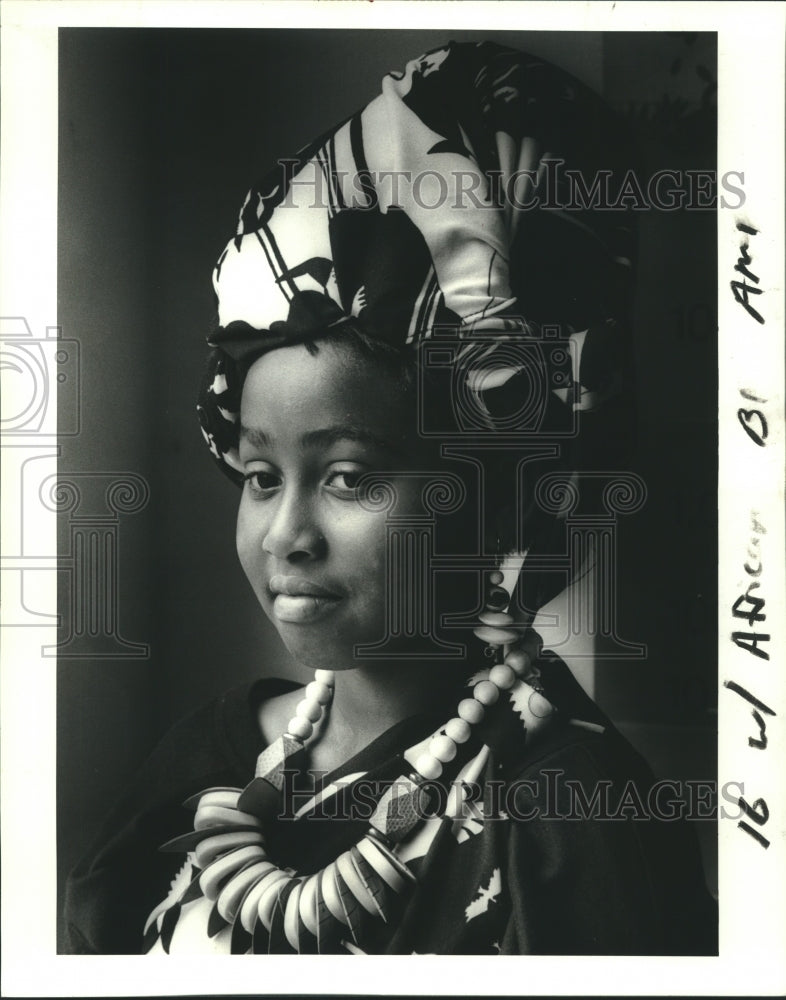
[295, 586]
[302, 608]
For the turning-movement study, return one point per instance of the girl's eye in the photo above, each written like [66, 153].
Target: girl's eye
[344, 481]
[260, 482]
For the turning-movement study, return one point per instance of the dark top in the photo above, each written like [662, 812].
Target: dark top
[526, 874]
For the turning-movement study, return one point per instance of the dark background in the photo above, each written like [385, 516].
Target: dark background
[161, 133]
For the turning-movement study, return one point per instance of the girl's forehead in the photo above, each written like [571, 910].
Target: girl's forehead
[290, 388]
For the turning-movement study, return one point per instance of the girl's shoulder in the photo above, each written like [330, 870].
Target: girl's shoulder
[580, 741]
[220, 736]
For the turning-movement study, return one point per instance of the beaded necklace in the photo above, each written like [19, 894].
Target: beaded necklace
[272, 909]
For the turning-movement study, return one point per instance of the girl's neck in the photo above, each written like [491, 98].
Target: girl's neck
[367, 701]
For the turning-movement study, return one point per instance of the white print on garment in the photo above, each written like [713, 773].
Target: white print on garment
[477, 677]
[471, 823]
[519, 699]
[219, 384]
[480, 903]
[177, 887]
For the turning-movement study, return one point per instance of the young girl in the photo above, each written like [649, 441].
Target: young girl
[401, 285]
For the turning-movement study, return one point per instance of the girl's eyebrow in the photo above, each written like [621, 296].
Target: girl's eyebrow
[324, 437]
[255, 436]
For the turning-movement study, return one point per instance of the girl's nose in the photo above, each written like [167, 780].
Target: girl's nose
[293, 533]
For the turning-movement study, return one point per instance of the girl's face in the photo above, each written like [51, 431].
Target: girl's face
[311, 425]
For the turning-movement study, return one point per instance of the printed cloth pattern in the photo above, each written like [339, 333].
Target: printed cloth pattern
[446, 206]
[567, 887]
[473, 922]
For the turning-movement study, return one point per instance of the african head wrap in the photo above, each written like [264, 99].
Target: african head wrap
[461, 199]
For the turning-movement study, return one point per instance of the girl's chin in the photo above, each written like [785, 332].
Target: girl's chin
[317, 641]
[318, 652]
[338, 656]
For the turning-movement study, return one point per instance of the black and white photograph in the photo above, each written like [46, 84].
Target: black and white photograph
[391, 523]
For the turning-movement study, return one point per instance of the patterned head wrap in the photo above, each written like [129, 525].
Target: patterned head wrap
[450, 202]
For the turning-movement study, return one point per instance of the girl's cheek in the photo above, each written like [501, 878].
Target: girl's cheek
[370, 540]
[248, 537]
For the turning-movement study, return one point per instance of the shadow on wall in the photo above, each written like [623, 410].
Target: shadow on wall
[666, 703]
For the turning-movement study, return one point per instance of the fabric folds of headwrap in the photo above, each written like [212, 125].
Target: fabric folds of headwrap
[447, 203]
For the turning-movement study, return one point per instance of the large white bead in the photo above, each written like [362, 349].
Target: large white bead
[443, 748]
[494, 636]
[497, 618]
[325, 676]
[503, 676]
[519, 661]
[472, 711]
[308, 709]
[458, 729]
[299, 727]
[319, 692]
[428, 766]
[486, 692]
[539, 706]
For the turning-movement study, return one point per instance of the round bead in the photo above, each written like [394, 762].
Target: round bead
[503, 676]
[495, 577]
[471, 711]
[540, 707]
[325, 676]
[428, 766]
[519, 661]
[486, 692]
[301, 728]
[459, 730]
[443, 748]
[319, 692]
[308, 709]
[496, 618]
